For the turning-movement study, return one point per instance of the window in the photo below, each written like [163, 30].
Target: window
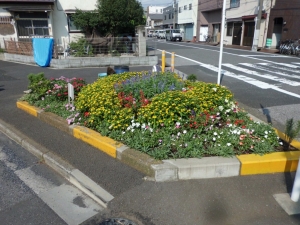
[172, 15]
[169, 16]
[234, 3]
[180, 9]
[229, 29]
[165, 17]
[185, 7]
[190, 6]
[72, 27]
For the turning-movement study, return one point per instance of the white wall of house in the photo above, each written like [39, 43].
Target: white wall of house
[186, 18]
[60, 22]
[155, 9]
[246, 8]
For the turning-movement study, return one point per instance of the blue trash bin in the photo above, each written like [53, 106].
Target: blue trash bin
[121, 69]
[102, 75]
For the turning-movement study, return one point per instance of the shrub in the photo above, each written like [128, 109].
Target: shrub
[191, 77]
[81, 48]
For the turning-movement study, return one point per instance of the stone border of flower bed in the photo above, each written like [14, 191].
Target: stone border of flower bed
[179, 169]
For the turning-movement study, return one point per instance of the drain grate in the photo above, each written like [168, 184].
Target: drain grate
[117, 221]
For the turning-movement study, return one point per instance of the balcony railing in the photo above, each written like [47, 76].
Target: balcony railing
[234, 3]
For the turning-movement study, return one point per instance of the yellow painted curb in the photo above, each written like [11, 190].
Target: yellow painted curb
[105, 144]
[28, 108]
[277, 162]
[294, 143]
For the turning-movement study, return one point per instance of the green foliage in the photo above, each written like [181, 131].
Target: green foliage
[86, 20]
[194, 119]
[81, 48]
[38, 85]
[291, 130]
[111, 17]
[192, 77]
[2, 50]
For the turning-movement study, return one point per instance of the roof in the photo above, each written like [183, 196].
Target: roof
[156, 16]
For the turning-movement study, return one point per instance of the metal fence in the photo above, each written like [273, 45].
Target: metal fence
[83, 47]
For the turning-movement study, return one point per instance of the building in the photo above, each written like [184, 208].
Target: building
[23, 19]
[209, 19]
[241, 20]
[283, 21]
[187, 18]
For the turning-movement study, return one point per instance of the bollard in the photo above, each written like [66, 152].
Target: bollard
[172, 61]
[163, 61]
[296, 187]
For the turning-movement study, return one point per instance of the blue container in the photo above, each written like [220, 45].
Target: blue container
[102, 75]
[121, 69]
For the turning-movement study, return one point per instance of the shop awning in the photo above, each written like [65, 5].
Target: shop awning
[30, 8]
[252, 17]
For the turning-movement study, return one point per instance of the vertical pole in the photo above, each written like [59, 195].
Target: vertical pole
[174, 12]
[296, 187]
[172, 61]
[221, 41]
[257, 27]
[163, 61]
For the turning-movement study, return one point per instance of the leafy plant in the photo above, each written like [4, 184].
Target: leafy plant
[191, 77]
[81, 48]
[38, 85]
[291, 130]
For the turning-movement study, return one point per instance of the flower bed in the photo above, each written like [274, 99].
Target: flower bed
[164, 116]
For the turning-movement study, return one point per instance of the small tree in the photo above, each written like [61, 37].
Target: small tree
[111, 17]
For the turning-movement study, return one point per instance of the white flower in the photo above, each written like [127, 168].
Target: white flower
[143, 126]
[151, 130]
[280, 143]
[221, 108]
[234, 131]
[218, 114]
[266, 136]
[123, 132]
[219, 145]
[270, 131]
[205, 139]
[177, 123]
[137, 124]
[185, 144]
[133, 124]
[266, 132]
[218, 136]
[184, 131]
[215, 89]
[228, 144]
[178, 134]
[128, 128]
[132, 121]
[132, 130]
[238, 133]
[229, 125]
[215, 133]
[214, 139]
[226, 100]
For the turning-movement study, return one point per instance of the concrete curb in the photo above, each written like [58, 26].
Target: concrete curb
[179, 169]
[73, 175]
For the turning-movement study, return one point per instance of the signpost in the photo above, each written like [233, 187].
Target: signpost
[70, 93]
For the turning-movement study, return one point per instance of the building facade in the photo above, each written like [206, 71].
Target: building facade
[24, 19]
[284, 22]
[241, 21]
[186, 18]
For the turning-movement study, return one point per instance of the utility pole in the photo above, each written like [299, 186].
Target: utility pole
[257, 27]
[174, 13]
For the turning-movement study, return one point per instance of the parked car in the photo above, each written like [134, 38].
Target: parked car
[155, 34]
[161, 34]
[173, 35]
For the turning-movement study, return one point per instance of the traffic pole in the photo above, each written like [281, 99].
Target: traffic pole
[163, 61]
[221, 41]
[172, 61]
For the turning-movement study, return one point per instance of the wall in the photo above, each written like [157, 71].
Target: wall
[290, 12]
[60, 23]
[7, 30]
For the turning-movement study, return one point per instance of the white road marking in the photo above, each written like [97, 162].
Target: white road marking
[272, 65]
[266, 76]
[256, 66]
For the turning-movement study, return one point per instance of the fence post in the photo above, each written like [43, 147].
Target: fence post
[163, 61]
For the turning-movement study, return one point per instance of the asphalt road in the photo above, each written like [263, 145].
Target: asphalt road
[266, 85]
[235, 200]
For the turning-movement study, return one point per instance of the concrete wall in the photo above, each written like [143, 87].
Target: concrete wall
[7, 31]
[78, 62]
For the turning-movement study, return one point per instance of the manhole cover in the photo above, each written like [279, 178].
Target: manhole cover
[117, 221]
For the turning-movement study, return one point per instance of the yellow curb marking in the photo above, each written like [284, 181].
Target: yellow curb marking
[105, 144]
[28, 108]
[294, 143]
[270, 163]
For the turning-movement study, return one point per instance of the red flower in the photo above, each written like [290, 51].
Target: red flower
[86, 114]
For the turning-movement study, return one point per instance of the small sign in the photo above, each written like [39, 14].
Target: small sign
[70, 93]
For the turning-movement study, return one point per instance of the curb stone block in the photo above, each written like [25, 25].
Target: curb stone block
[165, 172]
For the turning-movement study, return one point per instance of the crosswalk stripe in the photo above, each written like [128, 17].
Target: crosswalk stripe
[296, 63]
[257, 83]
[266, 76]
[264, 69]
[277, 66]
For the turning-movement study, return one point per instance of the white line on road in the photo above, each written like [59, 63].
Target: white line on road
[266, 76]
[280, 67]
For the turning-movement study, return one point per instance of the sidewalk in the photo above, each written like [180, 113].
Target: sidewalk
[244, 200]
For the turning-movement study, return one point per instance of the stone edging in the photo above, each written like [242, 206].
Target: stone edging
[179, 169]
